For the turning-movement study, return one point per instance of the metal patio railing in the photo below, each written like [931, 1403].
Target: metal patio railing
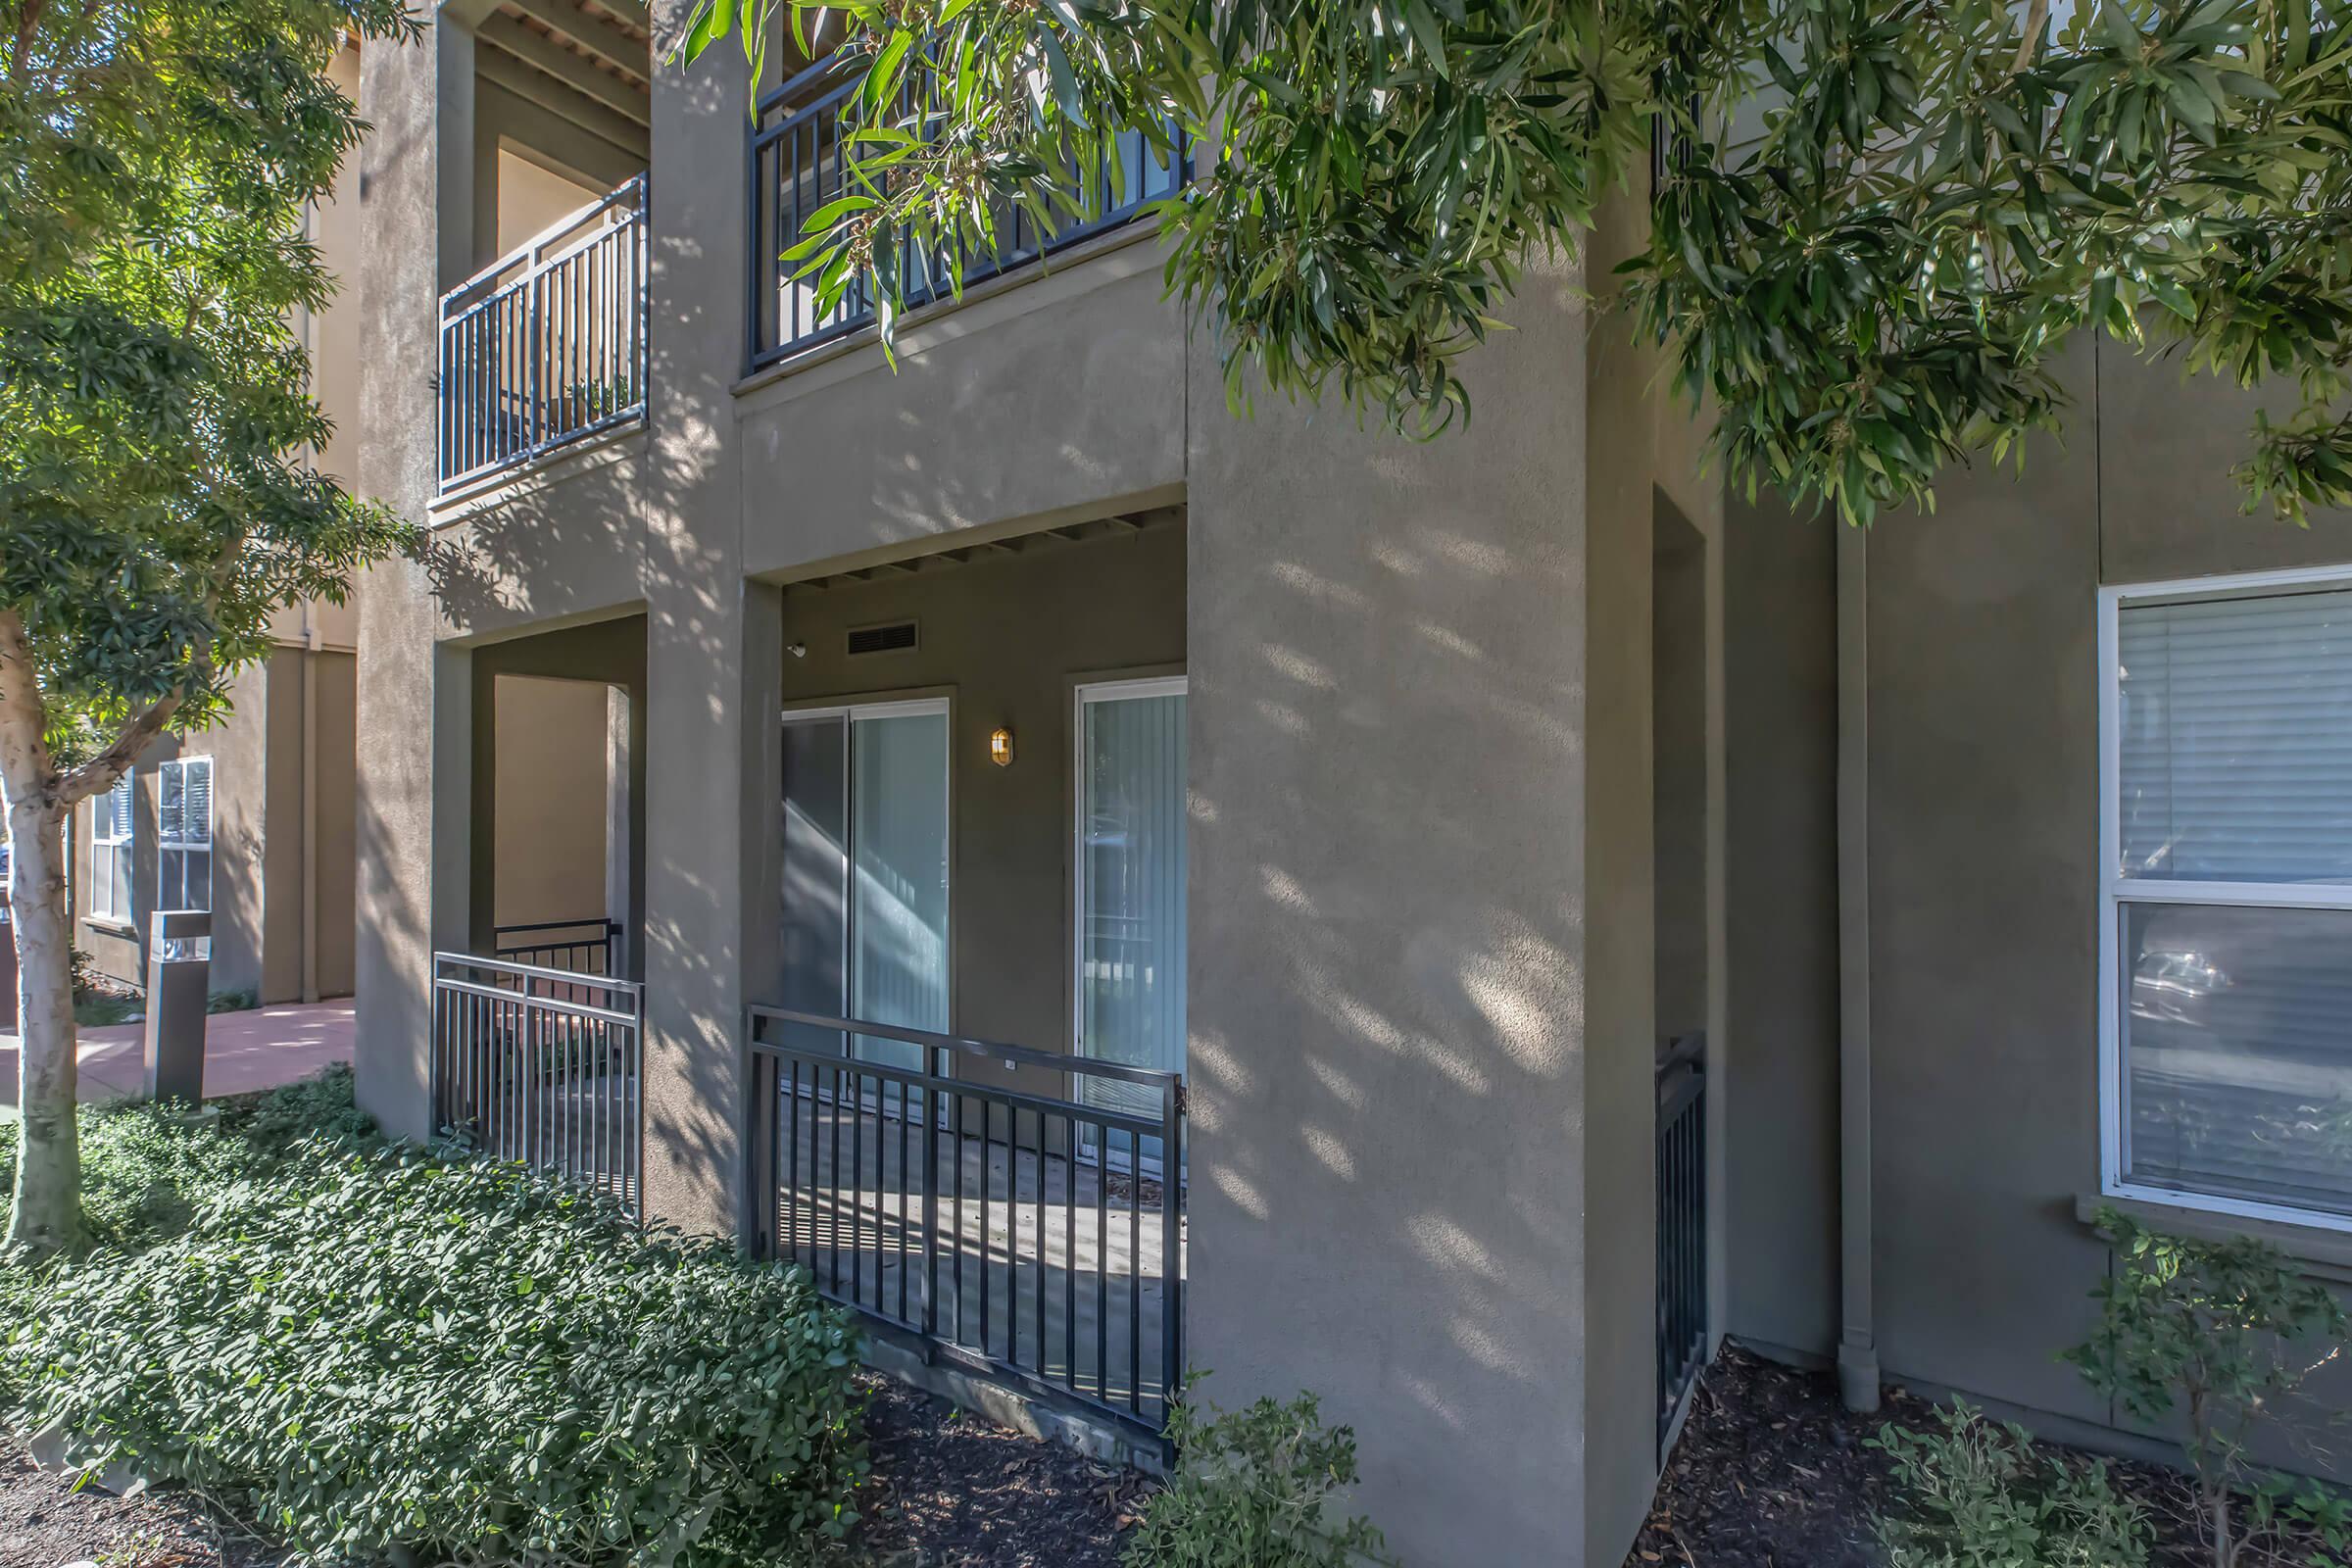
[545, 345]
[1682, 1175]
[582, 946]
[1036, 1238]
[799, 160]
[543, 1066]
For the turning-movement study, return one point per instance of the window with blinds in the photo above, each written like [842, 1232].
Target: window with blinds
[2229, 898]
[184, 834]
[110, 852]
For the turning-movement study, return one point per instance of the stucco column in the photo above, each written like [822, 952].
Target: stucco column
[1420, 963]
[413, 698]
[712, 653]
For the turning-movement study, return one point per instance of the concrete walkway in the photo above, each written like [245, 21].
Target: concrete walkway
[243, 1051]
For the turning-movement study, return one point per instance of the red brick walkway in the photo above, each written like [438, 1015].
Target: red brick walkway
[243, 1051]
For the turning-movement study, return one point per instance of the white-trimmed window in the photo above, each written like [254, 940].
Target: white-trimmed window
[2225, 940]
[110, 852]
[184, 836]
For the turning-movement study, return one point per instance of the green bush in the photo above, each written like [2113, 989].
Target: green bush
[1974, 1494]
[1252, 1490]
[366, 1349]
[2226, 1333]
[145, 1168]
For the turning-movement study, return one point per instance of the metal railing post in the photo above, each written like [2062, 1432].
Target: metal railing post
[1172, 1245]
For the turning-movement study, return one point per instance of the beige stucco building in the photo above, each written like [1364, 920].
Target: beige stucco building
[1567, 919]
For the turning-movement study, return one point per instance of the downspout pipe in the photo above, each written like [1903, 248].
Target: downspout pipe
[1857, 1339]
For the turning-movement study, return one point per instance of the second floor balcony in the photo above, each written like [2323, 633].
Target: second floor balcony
[546, 346]
[801, 156]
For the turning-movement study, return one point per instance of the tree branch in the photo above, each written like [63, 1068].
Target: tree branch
[100, 773]
[2037, 14]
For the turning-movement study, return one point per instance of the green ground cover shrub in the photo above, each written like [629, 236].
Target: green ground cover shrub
[1976, 1495]
[371, 1349]
[1255, 1489]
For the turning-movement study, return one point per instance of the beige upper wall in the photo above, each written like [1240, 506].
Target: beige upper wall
[549, 823]
[531, 199]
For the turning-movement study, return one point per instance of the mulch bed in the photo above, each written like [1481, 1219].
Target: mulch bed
[951, 1490]
[1772, 1471]
[44, 1523]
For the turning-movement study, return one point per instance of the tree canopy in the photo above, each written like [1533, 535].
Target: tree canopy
[156, 161]
[1879, 222]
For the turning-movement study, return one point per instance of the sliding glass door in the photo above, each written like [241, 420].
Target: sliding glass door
[1130, 991]
[865, 869]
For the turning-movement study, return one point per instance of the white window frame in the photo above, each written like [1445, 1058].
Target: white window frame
[102, 885]
[2117, 890]
[184, 845]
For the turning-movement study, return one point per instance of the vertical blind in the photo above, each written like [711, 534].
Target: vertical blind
[1131, 925]
[2235, 765]
[899, 878]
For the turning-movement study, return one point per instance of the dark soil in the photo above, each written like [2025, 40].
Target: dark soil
[951, 1490]
[1772, 1471]
[44, 1523]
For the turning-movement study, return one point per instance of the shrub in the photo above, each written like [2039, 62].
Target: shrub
[1975, 1495]
[2227, 1332]
[244, 1001]
[371, 1350]
[1251, 1490]
[146, 1168]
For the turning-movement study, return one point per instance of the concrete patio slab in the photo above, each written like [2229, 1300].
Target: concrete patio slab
[258, 1048]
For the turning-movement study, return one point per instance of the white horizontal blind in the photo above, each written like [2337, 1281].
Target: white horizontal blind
[2237, 739]
[184, 834]
[2233, 766]
[110, 852]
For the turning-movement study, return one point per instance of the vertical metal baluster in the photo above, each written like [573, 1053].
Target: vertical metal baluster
[833, 1188]
[1135, 1272]
[957, 1156]
[1171, 1248]
[1102, 1261]
[931, 1202]
[792, 1163]
[988, 1223]
[1069, 1253]
[905, 1111]
[1038, 1272]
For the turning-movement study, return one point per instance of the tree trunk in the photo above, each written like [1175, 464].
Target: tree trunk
[47, 1213]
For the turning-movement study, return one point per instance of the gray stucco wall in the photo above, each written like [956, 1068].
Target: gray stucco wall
[1780, 1136]
[1983, 813]
[1403, 1054]
[1423, 980]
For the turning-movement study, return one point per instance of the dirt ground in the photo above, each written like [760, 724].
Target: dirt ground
[1772, 1471]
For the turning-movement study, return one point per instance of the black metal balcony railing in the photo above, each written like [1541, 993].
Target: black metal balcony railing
[800, 161]
[543, 1066]
[1034, 1239]
[545, 345]
[1681, 1173]
[584, 946]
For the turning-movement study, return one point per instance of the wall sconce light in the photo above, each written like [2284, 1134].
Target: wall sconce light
[999, 745]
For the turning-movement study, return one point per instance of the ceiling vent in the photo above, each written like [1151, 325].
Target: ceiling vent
[895, 638]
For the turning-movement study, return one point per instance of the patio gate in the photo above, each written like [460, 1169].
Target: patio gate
[1681, 1173]
[1035, 1238]
[541, 1065]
